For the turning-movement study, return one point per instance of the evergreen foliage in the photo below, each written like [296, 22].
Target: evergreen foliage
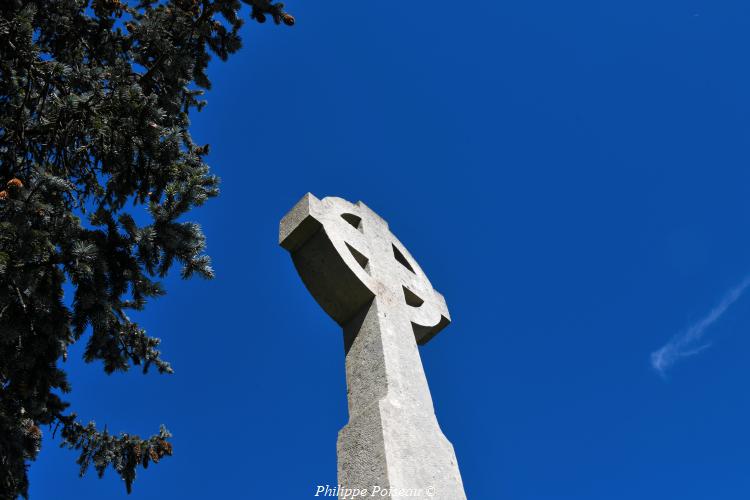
[94, 104]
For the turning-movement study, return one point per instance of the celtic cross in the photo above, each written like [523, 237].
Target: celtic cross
[367, 281]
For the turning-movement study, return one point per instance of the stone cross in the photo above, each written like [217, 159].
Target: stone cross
[365, 279]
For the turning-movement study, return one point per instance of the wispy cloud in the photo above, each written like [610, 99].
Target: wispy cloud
[691, 342]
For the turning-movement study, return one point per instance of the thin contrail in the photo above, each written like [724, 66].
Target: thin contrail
[686, 343]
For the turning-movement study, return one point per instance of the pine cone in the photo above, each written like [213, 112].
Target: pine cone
[3, 195]
[35, 432]
[15, 182]
[167, 447]
[288, 19]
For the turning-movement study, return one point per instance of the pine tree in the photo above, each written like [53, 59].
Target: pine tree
[94, 105]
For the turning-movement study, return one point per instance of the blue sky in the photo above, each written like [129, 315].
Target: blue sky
[572, 176]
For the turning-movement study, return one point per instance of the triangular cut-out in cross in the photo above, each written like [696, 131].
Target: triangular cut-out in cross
[353, 220]
[412, 298]
[402, 259]
[361, 259]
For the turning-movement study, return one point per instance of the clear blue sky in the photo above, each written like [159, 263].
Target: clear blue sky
[573, 176]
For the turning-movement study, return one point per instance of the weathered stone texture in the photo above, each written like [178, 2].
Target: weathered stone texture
[365, 279]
